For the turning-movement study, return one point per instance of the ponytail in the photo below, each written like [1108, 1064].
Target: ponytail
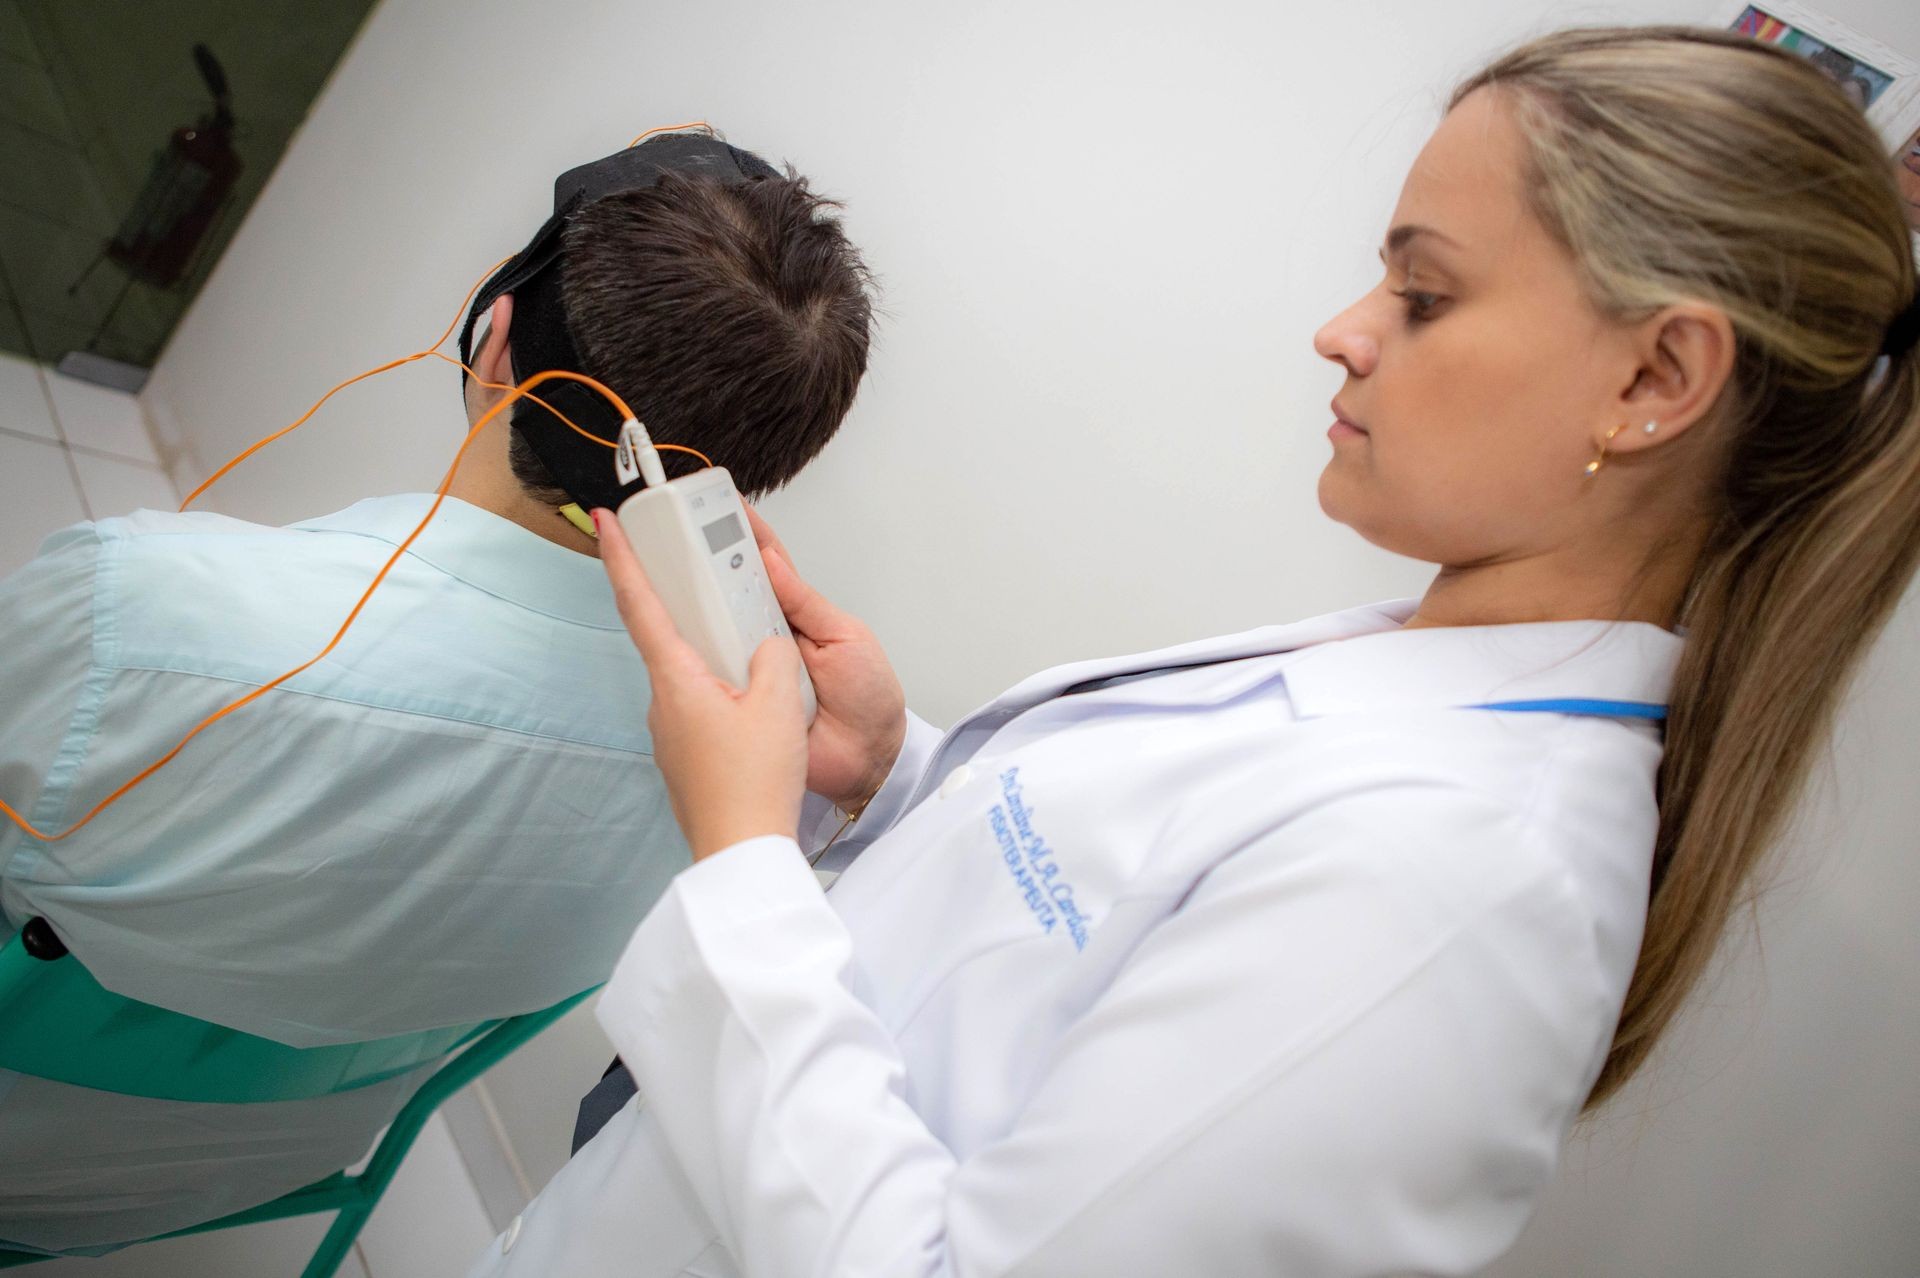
[1680, 163]
[1783, 604]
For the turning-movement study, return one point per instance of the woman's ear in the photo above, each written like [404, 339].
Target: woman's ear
[1685, 359]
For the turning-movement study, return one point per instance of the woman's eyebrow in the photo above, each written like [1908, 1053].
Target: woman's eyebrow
[1424, 265]
[1399, 236]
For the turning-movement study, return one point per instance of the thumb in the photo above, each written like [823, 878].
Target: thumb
[774, 670]
[807, 610]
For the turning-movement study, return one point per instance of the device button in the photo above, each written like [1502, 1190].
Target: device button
[737, 560]
[955, 779]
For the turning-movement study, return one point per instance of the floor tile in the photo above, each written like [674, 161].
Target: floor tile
[61, 185]
[536, 1092]
[478, 1136]
[277, 1249]
[107, 420]
[23, 401]
[58, 269]
[116, 487]
[430, 1223]
[16, 41]
[48, 337]
[27, 98]
[37, 496]
[51, 336]
[13, 335]
[120, 177]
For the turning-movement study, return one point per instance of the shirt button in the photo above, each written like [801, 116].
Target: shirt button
[955, 779]
[511, 1237]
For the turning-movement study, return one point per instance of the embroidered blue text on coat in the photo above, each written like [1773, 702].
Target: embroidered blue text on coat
[1033, 867]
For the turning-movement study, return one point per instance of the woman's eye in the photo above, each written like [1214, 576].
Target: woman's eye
[1419, 305]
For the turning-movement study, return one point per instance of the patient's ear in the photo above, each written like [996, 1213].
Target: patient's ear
[493, 361]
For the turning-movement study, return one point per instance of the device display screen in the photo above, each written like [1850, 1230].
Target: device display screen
[722, 533]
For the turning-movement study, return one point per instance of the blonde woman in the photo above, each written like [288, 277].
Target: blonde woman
[1297, 952]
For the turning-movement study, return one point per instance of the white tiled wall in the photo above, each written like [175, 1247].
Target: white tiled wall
[68, 451]
[71, 451]
[23, 399]
[100, 420]
[38, 493]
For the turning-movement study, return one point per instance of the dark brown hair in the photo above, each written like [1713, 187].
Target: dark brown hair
[732, 318]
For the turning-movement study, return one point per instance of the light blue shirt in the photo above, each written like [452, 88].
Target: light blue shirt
[454, 817]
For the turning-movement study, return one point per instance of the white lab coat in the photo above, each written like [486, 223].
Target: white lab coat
[1283, 964]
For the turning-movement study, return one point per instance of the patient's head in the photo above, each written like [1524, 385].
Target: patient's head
[732, 318]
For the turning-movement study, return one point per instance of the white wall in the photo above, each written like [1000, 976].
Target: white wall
[1105, 234]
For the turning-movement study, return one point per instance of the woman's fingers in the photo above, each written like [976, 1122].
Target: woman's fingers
[808, 612]
[806, 609]
[799, 601]
[794, 595]
[763, 533]
[648, 621]
[773, 673]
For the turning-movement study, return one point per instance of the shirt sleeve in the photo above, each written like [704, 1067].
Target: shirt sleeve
[820, 819]
[1354, 1049]
[46, 636]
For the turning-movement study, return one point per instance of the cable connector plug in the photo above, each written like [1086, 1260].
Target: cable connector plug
[635, 456]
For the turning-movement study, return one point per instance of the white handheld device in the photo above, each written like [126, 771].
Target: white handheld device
[692, 537]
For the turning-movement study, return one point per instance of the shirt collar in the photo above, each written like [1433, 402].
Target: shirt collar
[1432, 667]
[486, 551]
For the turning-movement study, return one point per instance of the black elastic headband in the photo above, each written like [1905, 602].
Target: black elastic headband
[539, 337]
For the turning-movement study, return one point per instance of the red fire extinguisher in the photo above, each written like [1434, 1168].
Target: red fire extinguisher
[184, 192]
[181, 205]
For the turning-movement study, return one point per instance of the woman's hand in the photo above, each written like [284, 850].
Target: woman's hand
[735, 761]
[862, 717]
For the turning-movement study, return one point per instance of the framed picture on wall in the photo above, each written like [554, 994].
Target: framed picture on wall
[1885, 83]
[1907, 161]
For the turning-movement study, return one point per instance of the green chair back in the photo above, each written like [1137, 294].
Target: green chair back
[58, 1023]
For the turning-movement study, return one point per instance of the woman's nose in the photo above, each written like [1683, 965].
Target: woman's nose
[1345, 341]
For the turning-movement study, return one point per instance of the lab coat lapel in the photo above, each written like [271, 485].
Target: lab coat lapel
[967, 736]
[1264, 641]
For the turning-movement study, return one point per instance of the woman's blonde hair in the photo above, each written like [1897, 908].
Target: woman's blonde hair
[1685, 163]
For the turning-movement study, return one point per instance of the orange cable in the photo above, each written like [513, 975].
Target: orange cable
[439, 496]
[435, 352]
[216, 476]
[670, 128]
[572, 425]
[679, 448]
[523, 389]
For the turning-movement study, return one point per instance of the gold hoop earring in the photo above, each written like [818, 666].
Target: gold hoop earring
[1600, 458]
